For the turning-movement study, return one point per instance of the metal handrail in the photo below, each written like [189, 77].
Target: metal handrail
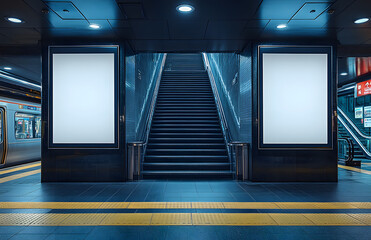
[241, 161]
[352, 124]
[135, 162]
[354, 136]
[350, 148]
[145, 135]
[223, 119]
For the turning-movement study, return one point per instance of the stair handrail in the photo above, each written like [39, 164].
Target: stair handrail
[354, 136]
[352, 124]
[137, 149]
[217, 99]
[146, 132]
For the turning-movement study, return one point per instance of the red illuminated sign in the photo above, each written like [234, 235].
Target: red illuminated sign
[364, 88]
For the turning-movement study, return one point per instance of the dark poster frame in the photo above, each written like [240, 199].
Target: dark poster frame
[83, 49]
[295, 49]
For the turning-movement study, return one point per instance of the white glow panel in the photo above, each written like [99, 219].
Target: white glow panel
[295, 98]
[83, 98]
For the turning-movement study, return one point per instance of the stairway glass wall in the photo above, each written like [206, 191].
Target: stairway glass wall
[225, 69]
[142, 71]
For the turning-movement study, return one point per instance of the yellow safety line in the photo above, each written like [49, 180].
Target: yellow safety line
[155, 219]
[19, 168]
[185, 205]
[354, 169]
[20, 175]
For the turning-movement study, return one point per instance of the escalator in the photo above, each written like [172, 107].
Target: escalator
[351, 127]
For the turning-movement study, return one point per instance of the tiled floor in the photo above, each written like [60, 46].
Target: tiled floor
[352, 187]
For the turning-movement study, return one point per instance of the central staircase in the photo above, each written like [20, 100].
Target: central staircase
[186, 139]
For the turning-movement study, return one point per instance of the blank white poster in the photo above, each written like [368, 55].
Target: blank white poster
[83, 98]
[295, 98]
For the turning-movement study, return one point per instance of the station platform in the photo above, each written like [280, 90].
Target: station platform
[180, 210]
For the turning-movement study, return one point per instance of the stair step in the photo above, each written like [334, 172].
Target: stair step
[185, 152]
[169, 166]
[186, 158]
[185, 140]
[185, 130]
[184, 125]
[187, 175]
[186, 135]
[186, 145]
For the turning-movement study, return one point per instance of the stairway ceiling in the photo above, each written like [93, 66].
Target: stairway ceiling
[215, 25]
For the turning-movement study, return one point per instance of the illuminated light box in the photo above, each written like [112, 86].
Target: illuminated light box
[363, 88]
[83, 96]
[294, 98]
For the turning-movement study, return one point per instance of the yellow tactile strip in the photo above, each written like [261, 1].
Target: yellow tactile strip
[147, 219]
[355, 169]
[19, 168]
[19, 175]
[185, 205]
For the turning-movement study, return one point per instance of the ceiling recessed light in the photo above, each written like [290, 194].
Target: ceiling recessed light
[94, 26]
[7, 68]
[14, 20]
[185, 8]
[343, 74]
[361, 20]
[282, 26]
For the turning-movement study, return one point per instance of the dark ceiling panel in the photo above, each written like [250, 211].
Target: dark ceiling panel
[319, 22]
[19, 9]
[65, 10]
[356, 10]
[133, 10]
[225, 29]
[282, 9]
[124, 33]
[146, 29]
[188, 45]
[98, 9]
[187, 29]
[311, 11]
[354, 35]
[119, 23]
[21, 35]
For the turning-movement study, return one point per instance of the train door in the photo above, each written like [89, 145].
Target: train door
[2, 136]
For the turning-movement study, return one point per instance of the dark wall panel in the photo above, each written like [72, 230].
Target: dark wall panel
[83, 165]
[291, 164]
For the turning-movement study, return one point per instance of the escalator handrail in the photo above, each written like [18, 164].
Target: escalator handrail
[352, 124]
[354, 136]
[350, 149]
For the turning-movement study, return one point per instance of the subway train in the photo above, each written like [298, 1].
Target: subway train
[20, 131]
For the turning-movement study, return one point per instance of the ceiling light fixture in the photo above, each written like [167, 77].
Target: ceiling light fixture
[94, 26]
[282, 26]
[361, 20]
[343, 74]
[14, 20]
[7, 68]
[185, 8]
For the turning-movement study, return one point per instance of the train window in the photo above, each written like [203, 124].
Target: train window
[37, 127]
[24, 125]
